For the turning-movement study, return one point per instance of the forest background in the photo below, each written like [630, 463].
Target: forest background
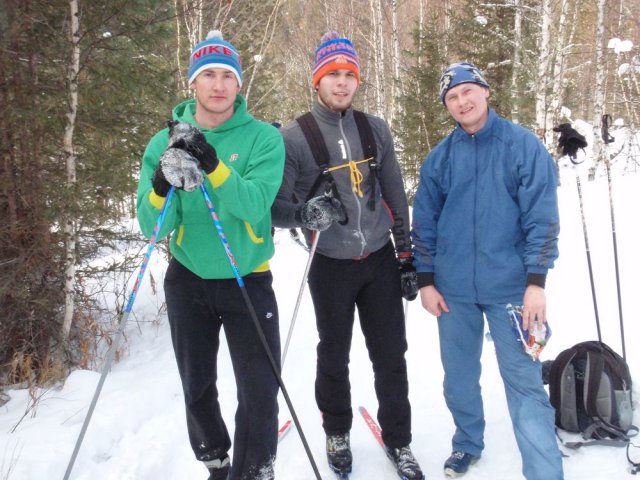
[84, 85]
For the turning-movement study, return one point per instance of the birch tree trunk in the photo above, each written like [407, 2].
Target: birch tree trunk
[598, 108]
[378, 55]
[543, 68]
[70, 232]
[557, 75]
[181, 80]
[396, 86]
[515, 72]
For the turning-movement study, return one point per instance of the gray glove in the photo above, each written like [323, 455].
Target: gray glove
[320, 212]
[180, 169]
[189, 138]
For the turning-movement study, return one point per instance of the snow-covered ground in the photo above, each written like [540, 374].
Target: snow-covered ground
[138, 430]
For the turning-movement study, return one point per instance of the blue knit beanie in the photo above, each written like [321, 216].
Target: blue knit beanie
[214, 52]
[457, 73]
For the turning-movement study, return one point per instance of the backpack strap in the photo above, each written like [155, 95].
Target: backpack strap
[608, 442]
[369, 150]
[556, 378]
[315, 139]
[595, 364]
[318, 147]
[319, 150]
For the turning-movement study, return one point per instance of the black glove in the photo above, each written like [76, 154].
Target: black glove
[189, 138]
[179, 169]
[570, 140]
[408, 277]
[159, 182]
[320, 212]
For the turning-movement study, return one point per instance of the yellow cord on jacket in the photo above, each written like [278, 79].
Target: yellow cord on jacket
[356, 175]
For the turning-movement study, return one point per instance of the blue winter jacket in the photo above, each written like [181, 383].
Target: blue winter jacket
[485, 214]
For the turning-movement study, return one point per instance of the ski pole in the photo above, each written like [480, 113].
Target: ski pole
[570, 141]
[116, 341]
[586, 244]
[606, 121]
[296, 238]
[312, 251]
[254, 317]
[406, 309]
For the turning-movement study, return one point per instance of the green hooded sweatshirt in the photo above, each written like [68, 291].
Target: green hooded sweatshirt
[242, 189]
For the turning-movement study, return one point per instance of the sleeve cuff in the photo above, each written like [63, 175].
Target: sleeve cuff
[538, 279]
[426, 279]
[156, 200]
[219, 175]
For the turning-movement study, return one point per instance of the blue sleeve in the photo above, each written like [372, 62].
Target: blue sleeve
[427, 206]
[538, 200]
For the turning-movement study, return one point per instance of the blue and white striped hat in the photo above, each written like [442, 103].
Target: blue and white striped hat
[457, 73]
[214, 52]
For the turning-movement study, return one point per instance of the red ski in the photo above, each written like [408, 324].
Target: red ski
[284, 429]
[377, 432]
[372, 424]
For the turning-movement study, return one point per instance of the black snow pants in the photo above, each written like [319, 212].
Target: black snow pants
[372, 285]
[197, 310]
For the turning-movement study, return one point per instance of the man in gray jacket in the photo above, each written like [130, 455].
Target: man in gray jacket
[342, 178]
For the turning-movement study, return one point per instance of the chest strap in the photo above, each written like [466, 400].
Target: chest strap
[318, 146]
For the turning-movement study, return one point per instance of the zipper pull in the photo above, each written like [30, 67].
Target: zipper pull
[342, 149]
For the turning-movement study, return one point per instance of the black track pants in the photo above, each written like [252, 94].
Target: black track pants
[197, 310]
[373, 286]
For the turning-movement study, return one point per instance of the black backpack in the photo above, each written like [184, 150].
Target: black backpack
[590, 389]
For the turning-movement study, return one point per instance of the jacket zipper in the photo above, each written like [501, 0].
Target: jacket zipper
[345, 148]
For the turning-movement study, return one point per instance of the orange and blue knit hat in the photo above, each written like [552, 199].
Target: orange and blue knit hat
[335, 53]
[214, 52]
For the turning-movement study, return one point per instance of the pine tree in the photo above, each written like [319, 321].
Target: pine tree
[423, 120]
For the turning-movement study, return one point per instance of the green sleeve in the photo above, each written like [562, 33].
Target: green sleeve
[249, 197]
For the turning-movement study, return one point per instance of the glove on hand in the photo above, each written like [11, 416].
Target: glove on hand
[320, 212]
[408, 277]
[179, 169]
[159, 182]
[190, 139]
[570, 140]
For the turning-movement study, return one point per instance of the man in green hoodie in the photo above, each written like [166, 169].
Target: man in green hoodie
[242, 160]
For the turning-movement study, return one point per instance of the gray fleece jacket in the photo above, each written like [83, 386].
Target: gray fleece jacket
[366, 230]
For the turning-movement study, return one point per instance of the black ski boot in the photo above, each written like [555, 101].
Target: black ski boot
[406, 464]
[339, 453]
[219, 468]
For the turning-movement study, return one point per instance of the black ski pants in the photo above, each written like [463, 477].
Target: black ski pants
[372, 285]
[197, 310]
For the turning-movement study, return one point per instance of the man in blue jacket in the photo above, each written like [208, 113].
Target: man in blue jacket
[485, 231]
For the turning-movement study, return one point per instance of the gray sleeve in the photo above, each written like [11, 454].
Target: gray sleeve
[392, 187]
[283, 211]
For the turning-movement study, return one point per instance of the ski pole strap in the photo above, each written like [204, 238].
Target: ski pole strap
[223, 237]
[634, 467]
[606, 123]
[150, 247]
